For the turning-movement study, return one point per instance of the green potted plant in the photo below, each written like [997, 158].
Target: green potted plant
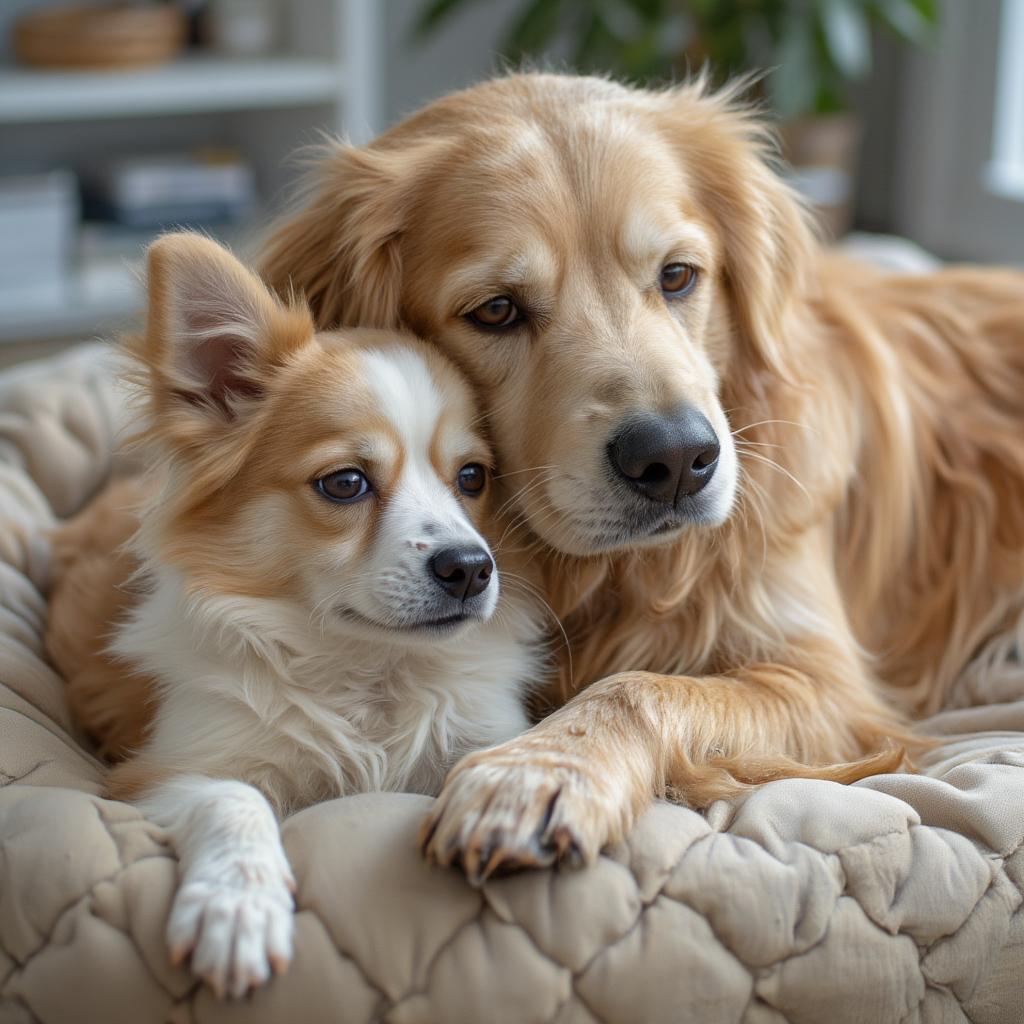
[811, 50]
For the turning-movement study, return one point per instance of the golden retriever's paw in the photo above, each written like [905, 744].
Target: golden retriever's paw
[236, 917]
[500, 812]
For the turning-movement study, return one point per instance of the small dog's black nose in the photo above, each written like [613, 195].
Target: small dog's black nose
[463, 572]
[664, 457]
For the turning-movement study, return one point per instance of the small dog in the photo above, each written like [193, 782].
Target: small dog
[318, 611]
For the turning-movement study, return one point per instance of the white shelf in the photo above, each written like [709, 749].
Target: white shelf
[329, 79]
[103, 292]
[95, 301]
[191, 85]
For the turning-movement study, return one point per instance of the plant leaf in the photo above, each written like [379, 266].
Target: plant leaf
[436, 12]
[535, 28]
[595, 47]
[913, 22]
[847, 39]
[928, 9]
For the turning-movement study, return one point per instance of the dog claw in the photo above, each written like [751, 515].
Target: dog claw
[216, 984]
[427, 834]
[278, 964]
[499, 818]
[574, 856]
[177, 955]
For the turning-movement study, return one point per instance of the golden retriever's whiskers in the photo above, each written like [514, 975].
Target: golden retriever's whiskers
[515, 525]
[744, 443]
[781, 469]
[533, 591]
[542, 477]
[517, 522]
[527, 488]
[517, 472]
[752, 507]
[544, 515]
[764, 423]
[530, 524]
[494, 410]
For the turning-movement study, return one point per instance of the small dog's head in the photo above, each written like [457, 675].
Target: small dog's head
[342, 471]
[601, 261]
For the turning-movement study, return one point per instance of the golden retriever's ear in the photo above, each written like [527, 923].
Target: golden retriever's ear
[341, 248]
[214, 331]
[729, 152]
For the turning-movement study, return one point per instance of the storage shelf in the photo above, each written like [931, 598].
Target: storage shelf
[95, 300]
[103, 293]
[190, 85]
[325, 77]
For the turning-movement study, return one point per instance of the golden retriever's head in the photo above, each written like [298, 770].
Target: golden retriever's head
[600, 260]
[341, 475]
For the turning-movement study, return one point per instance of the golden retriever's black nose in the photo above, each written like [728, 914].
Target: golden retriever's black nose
[463, 572]
[665, 457]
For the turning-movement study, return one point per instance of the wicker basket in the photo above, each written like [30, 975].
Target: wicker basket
[102, 36]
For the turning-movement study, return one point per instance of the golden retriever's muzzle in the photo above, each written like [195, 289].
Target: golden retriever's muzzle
[663, 470]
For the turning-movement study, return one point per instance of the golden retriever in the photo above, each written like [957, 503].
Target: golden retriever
[776, 498]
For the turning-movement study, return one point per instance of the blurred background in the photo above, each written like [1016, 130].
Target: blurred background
[899, 117]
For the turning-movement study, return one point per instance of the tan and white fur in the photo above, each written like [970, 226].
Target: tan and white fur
[299, 647]
[869, 553]
[871, 547]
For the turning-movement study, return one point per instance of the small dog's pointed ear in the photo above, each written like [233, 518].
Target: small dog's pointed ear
[214, 331]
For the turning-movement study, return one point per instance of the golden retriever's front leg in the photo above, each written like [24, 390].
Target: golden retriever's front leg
[578, 780]
[559, 792]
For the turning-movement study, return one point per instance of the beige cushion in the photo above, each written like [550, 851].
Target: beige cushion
[898, 899]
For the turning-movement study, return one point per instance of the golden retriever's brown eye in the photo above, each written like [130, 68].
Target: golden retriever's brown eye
[495, 313]
[344, 486]
[472, 479]
[678, 279]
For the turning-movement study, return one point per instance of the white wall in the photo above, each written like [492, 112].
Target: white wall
[418, 70]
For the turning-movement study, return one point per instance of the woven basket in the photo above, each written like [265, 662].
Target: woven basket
[103, 36]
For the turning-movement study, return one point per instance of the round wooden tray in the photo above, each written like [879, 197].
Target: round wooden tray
[103, 36]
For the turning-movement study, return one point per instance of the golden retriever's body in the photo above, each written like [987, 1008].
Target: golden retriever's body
[912, 520]
[876, 542]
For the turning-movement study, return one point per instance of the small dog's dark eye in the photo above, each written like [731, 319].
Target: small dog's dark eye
[495, 314]
[472, 479]
[678, 279]
[344, 486]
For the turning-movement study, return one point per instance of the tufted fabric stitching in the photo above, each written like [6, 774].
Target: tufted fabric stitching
[853, 835]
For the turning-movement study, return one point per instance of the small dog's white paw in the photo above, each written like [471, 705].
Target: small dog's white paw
[234, 913]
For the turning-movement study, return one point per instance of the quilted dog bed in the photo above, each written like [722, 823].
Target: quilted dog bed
[898, 899]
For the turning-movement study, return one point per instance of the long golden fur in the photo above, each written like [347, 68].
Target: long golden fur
[876, 546]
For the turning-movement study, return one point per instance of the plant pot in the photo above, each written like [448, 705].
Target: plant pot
[821, 151]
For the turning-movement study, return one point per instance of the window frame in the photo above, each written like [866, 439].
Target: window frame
[961, 185]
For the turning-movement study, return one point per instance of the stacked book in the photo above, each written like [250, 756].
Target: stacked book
[38, 225]
[204, 187]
